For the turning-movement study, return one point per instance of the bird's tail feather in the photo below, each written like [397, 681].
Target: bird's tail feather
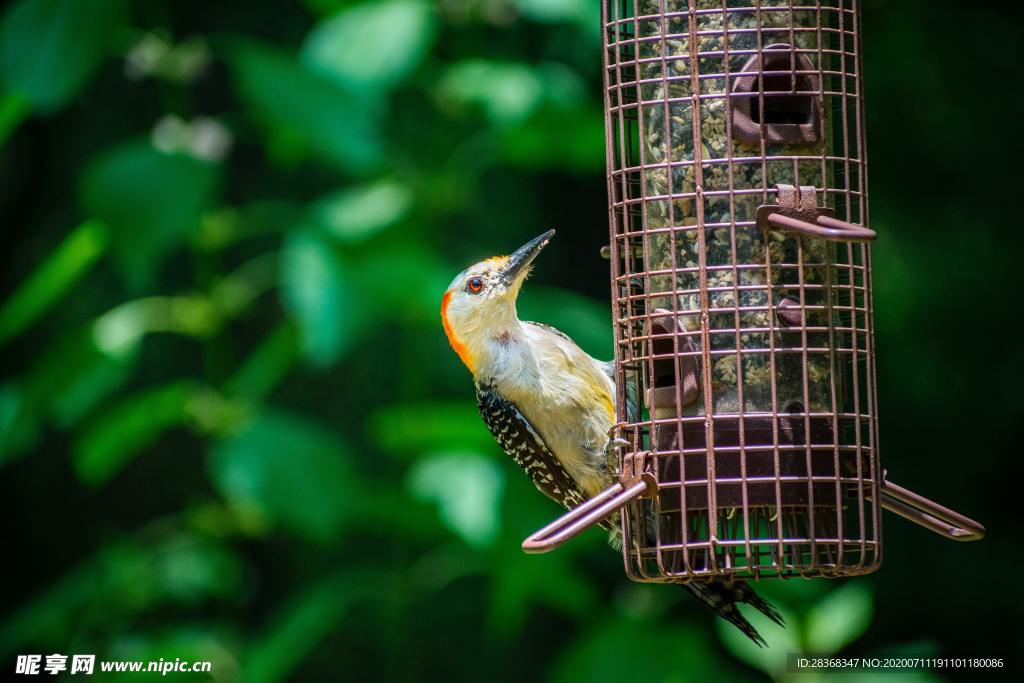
[723, 599]
[746, 594]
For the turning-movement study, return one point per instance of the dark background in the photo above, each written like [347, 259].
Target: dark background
[230, 425]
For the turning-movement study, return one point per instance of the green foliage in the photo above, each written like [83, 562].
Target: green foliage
[151, 201]
[839, 618]
[317, 289]
[519, 585]
[509, 92]
[51, 281]
[164, 565]
[268, 364]
[818, 622]
[418, 427]
[313, 115]
[309, 615]
[289, 471]
[66, 381]
[50, 48]
[402, 277]
[370, 47]
[128, 427]
[467, 490]
[356, 213]
[598, 656]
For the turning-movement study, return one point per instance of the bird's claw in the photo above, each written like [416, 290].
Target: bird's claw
[615, 443]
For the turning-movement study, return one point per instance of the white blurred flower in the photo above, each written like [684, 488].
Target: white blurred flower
[154, 56]
[204, 138]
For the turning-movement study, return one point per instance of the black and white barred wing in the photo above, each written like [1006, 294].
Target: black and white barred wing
[525, 446]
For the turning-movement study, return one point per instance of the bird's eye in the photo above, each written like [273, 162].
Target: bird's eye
[475, 285]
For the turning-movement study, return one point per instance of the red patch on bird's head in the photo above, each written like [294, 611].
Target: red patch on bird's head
[457, 345]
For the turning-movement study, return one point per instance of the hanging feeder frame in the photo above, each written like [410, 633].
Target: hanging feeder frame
[741, 295]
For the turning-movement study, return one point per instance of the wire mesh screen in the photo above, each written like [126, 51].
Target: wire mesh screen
[748, 345]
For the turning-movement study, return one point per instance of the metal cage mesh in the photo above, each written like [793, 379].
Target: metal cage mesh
[745, 349]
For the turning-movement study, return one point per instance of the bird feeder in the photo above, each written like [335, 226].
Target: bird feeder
[741, 293]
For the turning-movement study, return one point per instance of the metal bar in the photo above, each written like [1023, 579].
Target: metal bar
[824, 227]
[580, 518]
[929, 514]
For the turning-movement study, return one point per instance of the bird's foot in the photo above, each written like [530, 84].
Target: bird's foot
[609, 449]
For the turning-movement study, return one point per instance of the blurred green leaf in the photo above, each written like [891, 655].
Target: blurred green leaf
[122, 579]
[839, 618]
[540, 113]
[45, 617]
[467, 489]
[119, 434]
[119, 331]
[152, 202]
[189, 568]
[412, 428]
[309, 615]
[13, 110]
[53, 278]
[317, 290]
[228, 225]
[192, 642]
[404, 278]
[311, 114]
[584, 13]
[66, 380]
[49, 48]
[18, 427]
[322, 7]
[234, 292]
[371, 45]
[291, 471]
[356, 213]
[663, 653]
[267, 365]
[90, 385]
[520, 581]
[570, 138]
[509, 92]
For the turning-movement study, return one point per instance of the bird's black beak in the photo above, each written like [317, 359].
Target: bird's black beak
[521, 259]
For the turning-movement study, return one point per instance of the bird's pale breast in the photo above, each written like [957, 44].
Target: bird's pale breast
[567, 397]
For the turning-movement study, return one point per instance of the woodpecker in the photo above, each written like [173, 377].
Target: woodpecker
[548, 404]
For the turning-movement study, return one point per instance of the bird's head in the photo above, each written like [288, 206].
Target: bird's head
[480, 303]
